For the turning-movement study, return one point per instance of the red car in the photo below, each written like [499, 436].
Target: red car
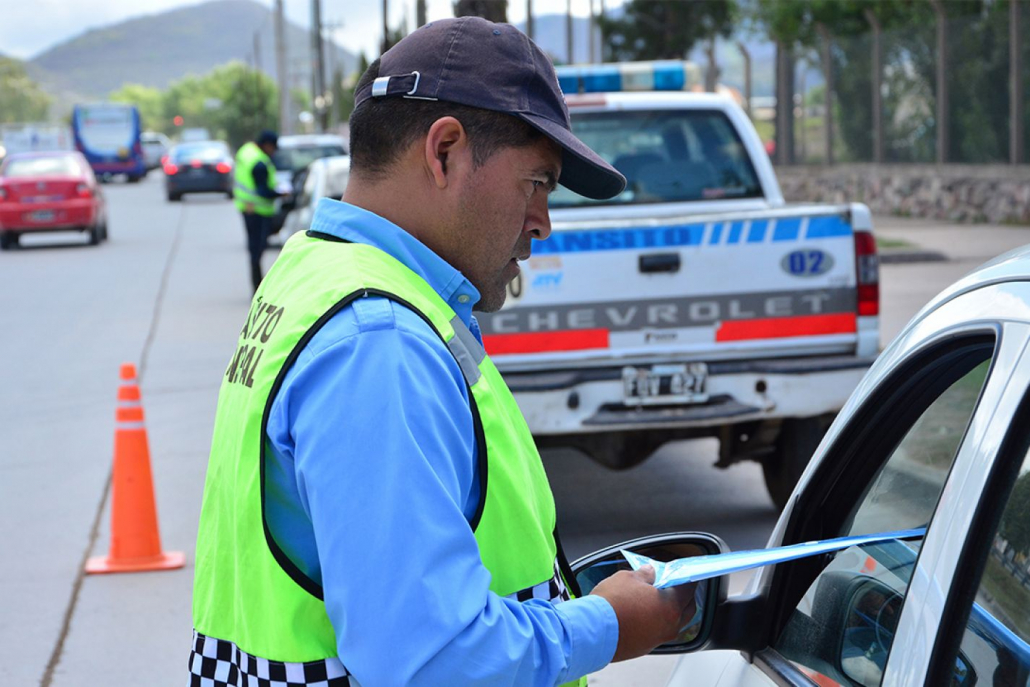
[52, 191]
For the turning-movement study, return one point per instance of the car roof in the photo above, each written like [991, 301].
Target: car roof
[27, 154]
[1013, 265]
[301, 140]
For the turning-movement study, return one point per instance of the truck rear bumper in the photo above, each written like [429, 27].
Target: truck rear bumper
[592, 400]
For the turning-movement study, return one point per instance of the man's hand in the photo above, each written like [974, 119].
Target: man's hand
[249, 209]
[647, 616]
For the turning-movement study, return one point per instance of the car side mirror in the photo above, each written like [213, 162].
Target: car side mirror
[590, 570]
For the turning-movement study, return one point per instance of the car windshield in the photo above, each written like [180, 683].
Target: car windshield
[292, 159]
[667, 156]
[51, 166]
[205, 152]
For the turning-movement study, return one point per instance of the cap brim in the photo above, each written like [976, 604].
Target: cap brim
[583, 170]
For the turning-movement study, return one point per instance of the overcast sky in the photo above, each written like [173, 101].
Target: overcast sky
[24, 33]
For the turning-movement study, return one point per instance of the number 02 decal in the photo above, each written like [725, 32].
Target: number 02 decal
[807, 263]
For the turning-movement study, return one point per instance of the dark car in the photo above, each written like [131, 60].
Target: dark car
[202, 167]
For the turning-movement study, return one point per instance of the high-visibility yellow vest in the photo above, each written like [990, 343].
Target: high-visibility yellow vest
[245, 189]
[246, 589]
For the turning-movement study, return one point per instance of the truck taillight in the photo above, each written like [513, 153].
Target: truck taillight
[223, 167]
[82, 191]
[171, 168]
[867, 269]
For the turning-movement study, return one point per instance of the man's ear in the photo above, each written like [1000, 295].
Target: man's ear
[447, 153]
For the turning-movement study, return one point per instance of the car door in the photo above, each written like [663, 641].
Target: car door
[912, 436]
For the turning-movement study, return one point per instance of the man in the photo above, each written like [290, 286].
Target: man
[255, 195]
[376, 512]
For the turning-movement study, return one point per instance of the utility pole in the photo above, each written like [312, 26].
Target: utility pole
[568, 31]
[318, 82]
[386, 27]
[591, 30]
[824, 36]
[877, 80]
[280, 69]
[1016, 105]
[529, 19]
[942, 81]
[747, 75]
[420, 13]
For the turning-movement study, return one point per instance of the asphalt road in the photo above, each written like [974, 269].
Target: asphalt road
[169, 292]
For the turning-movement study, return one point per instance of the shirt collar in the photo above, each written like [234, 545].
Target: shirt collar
[351, 223]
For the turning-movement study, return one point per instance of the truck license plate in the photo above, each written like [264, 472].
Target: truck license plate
[662, 384]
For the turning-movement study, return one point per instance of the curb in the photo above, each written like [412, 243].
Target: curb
[907, 256]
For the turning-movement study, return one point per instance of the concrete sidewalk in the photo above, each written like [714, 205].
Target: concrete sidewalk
[135, 629]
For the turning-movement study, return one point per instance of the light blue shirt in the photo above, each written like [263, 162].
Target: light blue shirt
[372, 480]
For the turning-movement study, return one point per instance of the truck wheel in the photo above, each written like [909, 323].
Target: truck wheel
[799, 437]
[95, 234]
[8, 239]
[174, 197]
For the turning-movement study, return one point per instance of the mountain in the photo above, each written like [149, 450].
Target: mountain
[154, 50]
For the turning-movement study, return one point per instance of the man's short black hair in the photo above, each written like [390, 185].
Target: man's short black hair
[381, 129]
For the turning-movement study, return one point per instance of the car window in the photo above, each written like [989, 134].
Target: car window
[205, 152]
[50, 166]
[666, 156]
[996, 640]
[842, 629]
[292, 159]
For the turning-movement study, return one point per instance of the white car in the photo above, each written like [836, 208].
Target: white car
[293, 155]
[324, 178]
[936, 435]
[155, 146]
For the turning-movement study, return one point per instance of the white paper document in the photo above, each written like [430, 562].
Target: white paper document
[700, 568]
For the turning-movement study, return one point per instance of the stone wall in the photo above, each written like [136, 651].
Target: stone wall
[962, 193]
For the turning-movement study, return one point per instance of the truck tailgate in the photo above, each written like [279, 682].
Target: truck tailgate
[734, 285]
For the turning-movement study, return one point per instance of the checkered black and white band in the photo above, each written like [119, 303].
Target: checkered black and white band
[218, 663]
[552, 590]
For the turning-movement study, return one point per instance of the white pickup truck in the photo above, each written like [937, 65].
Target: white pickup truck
[695, 304]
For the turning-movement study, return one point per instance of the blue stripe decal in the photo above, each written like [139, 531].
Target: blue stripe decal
[787, 230]
[687, 235]
[827, 227]
[621, 239]
[756, 234]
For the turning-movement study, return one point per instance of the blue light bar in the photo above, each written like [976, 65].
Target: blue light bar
[601, 79]
[669, 75]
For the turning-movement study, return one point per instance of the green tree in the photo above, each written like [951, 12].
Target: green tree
[21, 99]
[150, 102]
[657, 30]
[249, 102]
[493, 10]
[232, 101]
[978, 47]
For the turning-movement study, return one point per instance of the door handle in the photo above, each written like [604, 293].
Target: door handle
[660, 262]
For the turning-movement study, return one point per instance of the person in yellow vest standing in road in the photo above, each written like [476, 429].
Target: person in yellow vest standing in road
[376, 512]
[254, 194]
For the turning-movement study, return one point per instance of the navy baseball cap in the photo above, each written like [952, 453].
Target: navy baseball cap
[268, 136]
[475, 62]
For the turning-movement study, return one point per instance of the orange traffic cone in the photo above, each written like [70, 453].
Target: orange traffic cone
[135, 541]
